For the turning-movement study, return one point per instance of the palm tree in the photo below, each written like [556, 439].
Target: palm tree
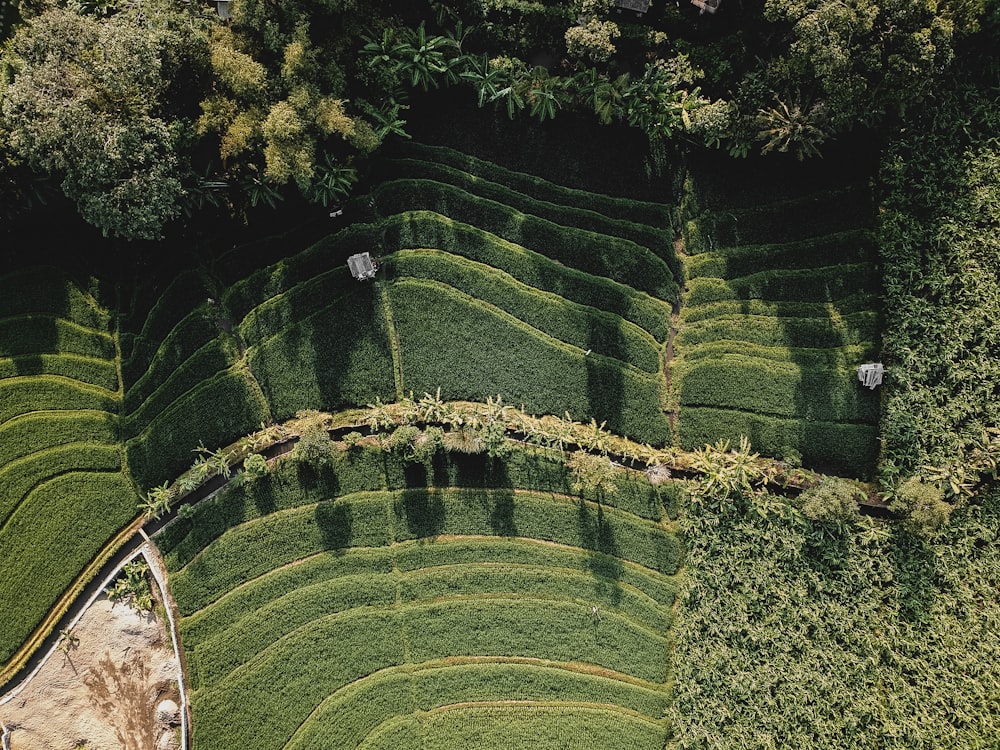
[799, 128]
[487, 79]
[156, 502]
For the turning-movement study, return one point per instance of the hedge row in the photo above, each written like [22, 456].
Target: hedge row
[426, 229]
[48, 291]
[626, 209]
[215, 356]
[813, 215]
[44, 548]
[348, 579]
[330, 653]
[852, 246]
[218, 411]
[359, 520]
[847, 449]
[621, 260]
[19, 478]
[99, 372]
[855, 329]
[577, 325]
[287, 308]
[826, 284]
[348, 716]
[658, 238]
[155, 361]
[338, 356]
[215, 659]
[370, 470]
[40, 430]
[822, 394]
[329, 253]
[854, 303]
[44, 334]
[471, 350]
[544, 727]
[21, 395]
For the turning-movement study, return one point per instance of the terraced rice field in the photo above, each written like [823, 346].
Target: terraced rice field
[375, 615]
[63, 490]
[780, 308]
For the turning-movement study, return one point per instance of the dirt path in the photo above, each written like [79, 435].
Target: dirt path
[113, 687]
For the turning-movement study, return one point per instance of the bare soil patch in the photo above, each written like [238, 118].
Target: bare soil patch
[115, 688]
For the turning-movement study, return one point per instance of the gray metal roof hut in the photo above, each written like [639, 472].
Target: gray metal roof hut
[639, 6]
[362, 267]
[222, 8]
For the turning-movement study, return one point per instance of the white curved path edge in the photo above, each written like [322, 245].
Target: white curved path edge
[154, 567]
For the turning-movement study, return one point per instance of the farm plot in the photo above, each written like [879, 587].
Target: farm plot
[523, 288]
[780, 308]
[315, 617]
[62, 489]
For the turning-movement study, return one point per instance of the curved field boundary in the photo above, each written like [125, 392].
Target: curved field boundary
[849, 246]
[45, 334]
[35, 431]
[578, 325]
[86, 369]
[640, 212]
[853, 329]
[427, 229]
[506, 725]
[30, 393]
[20, 478]
[47, 290]
[621, 260]
[862, 302]
[486, 351]
[346, 717]
[658, 238]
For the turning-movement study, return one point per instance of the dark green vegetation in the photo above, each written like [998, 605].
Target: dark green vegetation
[838, 635]
[780, 309]
[62, 488]
[369, 600]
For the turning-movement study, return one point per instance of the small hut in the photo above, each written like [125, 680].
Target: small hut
[362, 267]
[641, 7]
[222, 8]
[871, 375]
[709, 6]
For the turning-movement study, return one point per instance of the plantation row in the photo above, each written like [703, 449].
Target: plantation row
[779, 310]
[63, 491]
[381, 603]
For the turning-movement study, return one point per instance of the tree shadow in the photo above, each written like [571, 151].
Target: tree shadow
[597, 536]
[423, 512]
[606, 392]
[502, 520]
[334, 521]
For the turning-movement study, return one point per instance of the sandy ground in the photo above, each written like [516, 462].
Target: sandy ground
[106, 692]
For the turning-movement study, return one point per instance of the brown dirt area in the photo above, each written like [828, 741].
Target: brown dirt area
[105, 692]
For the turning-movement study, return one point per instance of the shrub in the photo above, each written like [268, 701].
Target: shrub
[922, 506]
[255, 466]
[833, 500]
[315, 447]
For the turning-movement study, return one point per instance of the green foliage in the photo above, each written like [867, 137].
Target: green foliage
[617, 259]
[579, 215]
[624, 209]
[833, 501]
[132, 587]
[61, 527]
[424, 229]
[860, 640]
[255, 466]
[330, 357]
[217, 411]
[938, 239]
[922, 505]
[580, 326]
[315, 447]
[480, 350]
[847, 449]
[594, 473]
